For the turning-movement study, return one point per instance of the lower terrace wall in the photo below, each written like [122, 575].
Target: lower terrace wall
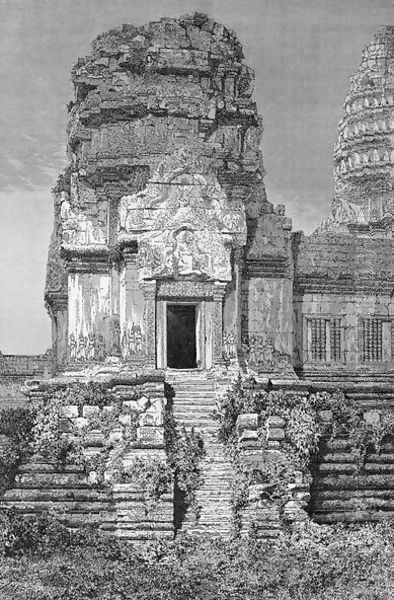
[349, 479]
[18, 367]
[334, 487]
[15, 369]
[112, 430]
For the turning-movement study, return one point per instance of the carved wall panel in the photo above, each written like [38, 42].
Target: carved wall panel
[92, 334]
[185, 289]
[184, 224]
[267, 309]
[80, 228]
[131, 313]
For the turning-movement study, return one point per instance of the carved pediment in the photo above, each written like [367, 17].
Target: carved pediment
[183, 221]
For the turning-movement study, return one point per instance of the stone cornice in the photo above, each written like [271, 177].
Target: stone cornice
[86, 260]
[268, 267]
[309, 284]
[55, 301]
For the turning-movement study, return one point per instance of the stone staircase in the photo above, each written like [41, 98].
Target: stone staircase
[193, 404]
[342, 493]
[44, 486]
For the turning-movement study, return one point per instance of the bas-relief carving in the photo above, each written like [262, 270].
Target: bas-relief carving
[229, 346]
[185, 253]
[183, 288]
[132, 341]
[77, 228]
[183, 221]
[93, 332]
[89, 347]
[262, 356]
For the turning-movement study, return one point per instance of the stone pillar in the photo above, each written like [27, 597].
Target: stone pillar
[232, 313]
[149, 292]
[131, 309]
[219, 289]
[58, 310]
[238, 256]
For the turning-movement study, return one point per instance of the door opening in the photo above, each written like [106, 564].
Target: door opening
[181, 336]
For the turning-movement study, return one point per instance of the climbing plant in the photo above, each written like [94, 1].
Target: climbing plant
[184, 452]
[152, 474]
[16, 425]
[308, 417]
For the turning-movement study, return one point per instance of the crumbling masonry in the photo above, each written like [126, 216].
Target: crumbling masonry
[168, 265]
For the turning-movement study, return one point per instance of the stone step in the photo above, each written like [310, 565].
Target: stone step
[204, 403]
[55, 494]
[195, 410]
[194, 404]
[194, 392]
[35, 506]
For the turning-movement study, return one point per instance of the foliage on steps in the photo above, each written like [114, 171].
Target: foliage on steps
[152, 474]
[290, 428]
[184, 453]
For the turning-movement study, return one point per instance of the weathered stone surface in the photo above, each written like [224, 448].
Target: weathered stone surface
[165, 180]
[163, 205]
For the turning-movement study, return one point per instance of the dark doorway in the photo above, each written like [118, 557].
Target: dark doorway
[181, 336]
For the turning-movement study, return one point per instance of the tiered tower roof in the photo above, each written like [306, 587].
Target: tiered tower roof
[364, 153]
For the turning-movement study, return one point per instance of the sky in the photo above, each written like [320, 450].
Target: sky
[303, 52]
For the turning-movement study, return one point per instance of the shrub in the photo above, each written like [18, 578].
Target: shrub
[313, 563]
[153, 475]
[184, 453]
[17, 425]
[50, 431]
[305, 426]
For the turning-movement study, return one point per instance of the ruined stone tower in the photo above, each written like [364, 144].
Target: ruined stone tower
[163, 237]
[169, 272]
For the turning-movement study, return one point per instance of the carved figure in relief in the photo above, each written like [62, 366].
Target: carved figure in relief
[72, 346]
[138, 340]
[131, 341]
[78, 230]
[123, 343]
[100, 347]
[186, 253]
[229, 346]
[183, 222]
[262, 355]
[91, 350]
[81, 352]
[115, 337]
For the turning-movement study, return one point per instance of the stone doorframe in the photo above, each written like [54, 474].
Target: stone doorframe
[208, 299]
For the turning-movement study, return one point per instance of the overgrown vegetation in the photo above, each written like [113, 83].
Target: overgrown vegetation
[47, 431]
[184, 452]
[41, 560]
[17, 425]
[153, 475]
[308, 418]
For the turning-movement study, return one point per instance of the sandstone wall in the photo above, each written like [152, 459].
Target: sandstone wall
[76, 493]
[348, 278]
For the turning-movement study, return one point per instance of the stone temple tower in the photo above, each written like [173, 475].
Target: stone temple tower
[163, 239]
[364, 154]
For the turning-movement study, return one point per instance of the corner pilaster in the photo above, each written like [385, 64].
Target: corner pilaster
[149, 291]
[219, 290]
